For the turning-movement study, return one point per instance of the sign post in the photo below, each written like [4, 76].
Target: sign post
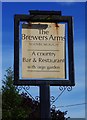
[43, 58]
[45, 102]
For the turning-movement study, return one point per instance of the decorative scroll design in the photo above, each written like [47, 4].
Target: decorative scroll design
[68, 88]
[53, 107]
[52, 98]
[26, 89]
[62, 89]
[37, 98]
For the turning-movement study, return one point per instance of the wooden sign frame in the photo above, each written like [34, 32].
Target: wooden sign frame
[44, 16]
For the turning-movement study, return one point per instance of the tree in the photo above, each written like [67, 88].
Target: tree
[58, 115]
[11, 100]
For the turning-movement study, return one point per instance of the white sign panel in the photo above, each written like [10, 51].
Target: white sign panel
[43, 50]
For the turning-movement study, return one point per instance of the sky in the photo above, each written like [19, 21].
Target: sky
[43, 0]
[77, 10]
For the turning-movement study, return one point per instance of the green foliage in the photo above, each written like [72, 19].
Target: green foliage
[58, 115]
[11, 99]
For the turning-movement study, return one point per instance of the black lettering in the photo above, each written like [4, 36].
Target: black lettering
[34, 60]
[33, 53]
[26, 60]
[51, 37]
[23, 36]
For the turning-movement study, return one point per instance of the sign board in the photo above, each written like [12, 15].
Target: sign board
[43, 50]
